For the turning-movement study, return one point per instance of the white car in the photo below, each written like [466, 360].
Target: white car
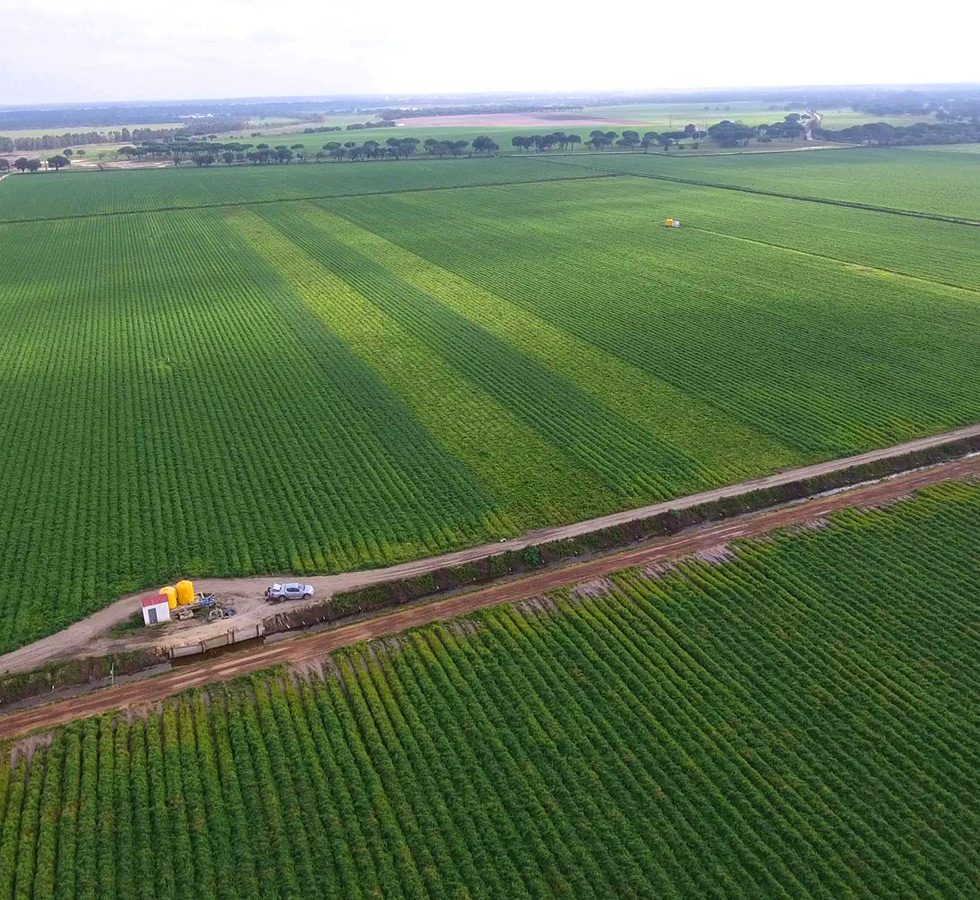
[291, 591]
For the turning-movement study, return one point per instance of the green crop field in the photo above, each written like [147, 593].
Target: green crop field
[319, 385]
[799, 721]
[946, 184]
[74, 194]
[657, 116]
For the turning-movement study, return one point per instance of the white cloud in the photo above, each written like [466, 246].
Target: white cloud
[79, 50]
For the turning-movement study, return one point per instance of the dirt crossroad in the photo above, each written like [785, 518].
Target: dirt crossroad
[306, 648]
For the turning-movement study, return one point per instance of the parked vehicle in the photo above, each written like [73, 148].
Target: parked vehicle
[293, 590]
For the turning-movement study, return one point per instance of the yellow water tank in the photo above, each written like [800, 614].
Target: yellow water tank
[669, 223]
[185, 592]
[171, 594]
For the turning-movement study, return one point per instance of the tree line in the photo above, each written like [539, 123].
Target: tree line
[881, 134]
[725, 133]
[75, 138]
[208, 153]
[22, 164]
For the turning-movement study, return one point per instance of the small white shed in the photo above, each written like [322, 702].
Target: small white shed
[156, 609]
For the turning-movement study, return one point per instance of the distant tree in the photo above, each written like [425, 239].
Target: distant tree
[203, 159]
[283, 155]
[665, 140]
[630, 140]
[485, 144]
[58, 162]
[573, 139]
[4, 164]
[350, 145]
[297, 146]
[407, 146]
[21, 164]
[127, 151]
[599, 139]
[520, 142]
[457, 147]
[879, 133]
[338, 153]
[261, 146]
[68, 152]
[690, 130]
[79, 152]
[441, 148]
[331, 145]
[650, 139]
[33, 165]
[228, 156]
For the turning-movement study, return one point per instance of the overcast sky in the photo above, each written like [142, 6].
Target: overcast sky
[91, 50]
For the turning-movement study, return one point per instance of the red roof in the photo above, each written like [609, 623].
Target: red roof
[155, 600]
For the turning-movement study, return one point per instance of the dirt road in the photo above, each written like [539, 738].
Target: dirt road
[305, 648]
[88, 637]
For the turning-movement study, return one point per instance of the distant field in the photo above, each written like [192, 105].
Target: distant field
[86, 193]
[40, 132]
[655, 117]
[674, 116]
[321, 385]
[909, 179]
[799, 721]
[951, 148]
[837, 119]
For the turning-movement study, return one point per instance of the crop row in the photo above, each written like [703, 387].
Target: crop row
[87, 194]
[898, 179]
[818, 355]
[168, 418]
[796, 722]
[302, 387]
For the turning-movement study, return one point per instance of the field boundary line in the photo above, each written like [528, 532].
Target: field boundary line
[847, 204]
[231, 204]
[304, 648]
[829, 258]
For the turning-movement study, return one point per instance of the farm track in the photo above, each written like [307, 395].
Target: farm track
[265, 202]
[847, 204]
[309, 648]
[87, 637]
